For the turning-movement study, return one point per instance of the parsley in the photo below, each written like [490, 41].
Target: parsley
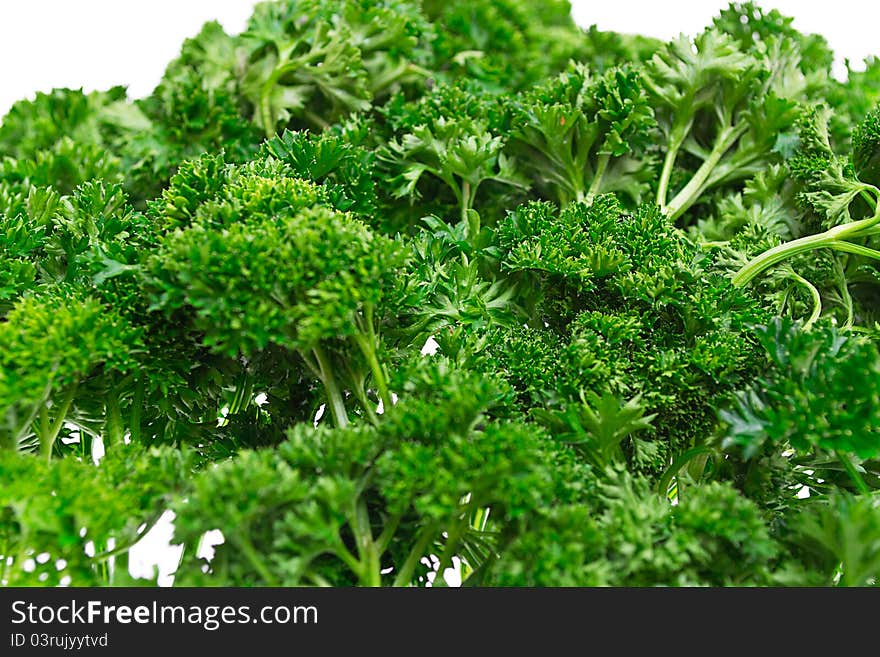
[650, 272]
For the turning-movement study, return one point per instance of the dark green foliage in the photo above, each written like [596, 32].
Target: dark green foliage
[307, 64]
[340, 506]
[820, 392]
[638, 322]
[630, 537]
[503, 45]
[59, 509]
[335, 158]
[578, 136]
[866, 148]
[383, 289]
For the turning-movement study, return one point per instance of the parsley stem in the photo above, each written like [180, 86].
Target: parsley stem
[465, 201]
[452, 539]
[832, 238]
[357, 386]
[366, 546]
[849, 247]
[137, 407]
[113, 422]
[676, 139]
[814, 294]
[596, 185]
[334, 396]
[405, 574]
[367, 344]
[853, 472]
[243, 389]
[250, 552]
[22, 430]
[48, 437]
[695, 187]
[4, 561]
[843, 286]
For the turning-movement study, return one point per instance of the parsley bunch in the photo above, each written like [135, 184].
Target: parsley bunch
[383, 289]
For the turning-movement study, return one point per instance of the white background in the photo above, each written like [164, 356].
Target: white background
[96, 44]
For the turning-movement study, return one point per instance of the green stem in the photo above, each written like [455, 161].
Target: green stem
[849, 247]
[831, 238]
[465, 200]
[22, 430]
[676, 139]
[137, 409]
[452, 538]
[845, 296]
[43, 428]
[367, 344]
[814, 293]
[116, 551]
[250, 552]
[316, 120]
[243, 389]
[357, 386]
[334, 396]
[480, 519]
[601, 167]
[319, 581]
[384, 539]
[680, 461]
[349, 560]
[853, 473]
[405, 575]
[113, 423]
[369, 555]
[4, 564]
[691, 192]
[47, 440]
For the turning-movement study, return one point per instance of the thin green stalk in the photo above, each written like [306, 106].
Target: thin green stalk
[853, 473]
[266, 108]
[676, 139]
[814, 293]
[452, 539]
[137, 409]
[47, 440]
[405, 575]
[595, 186]
[44, 426]
[334, 395]
[677, 464]
[849, 247]
[480, 519]
[116, 551]
[369, 555]
[113, 423]
[319, 581]
[4, 561]
[250, 552]
[243, 389]
[367, 344]
[316, 119]
[357, 385]
[349, 560]
[35, 411]
[831, 238]
[384, 539]
[691, 192]
[464, 200]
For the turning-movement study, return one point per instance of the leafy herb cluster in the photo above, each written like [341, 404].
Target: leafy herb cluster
[383, 289]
